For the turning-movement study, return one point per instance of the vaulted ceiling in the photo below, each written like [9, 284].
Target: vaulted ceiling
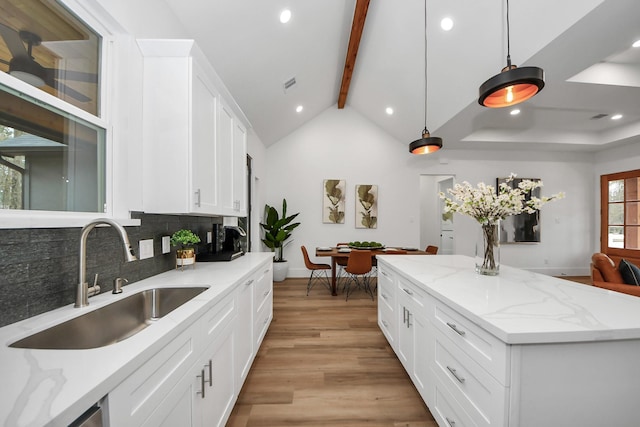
[584, 46]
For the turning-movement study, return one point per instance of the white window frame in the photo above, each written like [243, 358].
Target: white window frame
[103, 24]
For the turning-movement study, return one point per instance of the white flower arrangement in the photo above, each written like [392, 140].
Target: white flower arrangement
[488, 206]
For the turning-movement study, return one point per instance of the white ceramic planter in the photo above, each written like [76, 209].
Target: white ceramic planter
[280, 270]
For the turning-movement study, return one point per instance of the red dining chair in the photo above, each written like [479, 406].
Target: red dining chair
[358, 269]
[431, 250]
[317, 271]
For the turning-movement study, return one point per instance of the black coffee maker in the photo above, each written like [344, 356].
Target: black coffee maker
[225, 245]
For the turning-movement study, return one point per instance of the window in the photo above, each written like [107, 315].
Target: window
[46, 46]
[49, 159]
[620, 213]
[52, 151]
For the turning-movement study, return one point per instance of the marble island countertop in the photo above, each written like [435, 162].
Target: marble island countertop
[521, 307]
[53, 387]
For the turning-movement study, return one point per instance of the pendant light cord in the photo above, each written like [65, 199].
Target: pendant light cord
[425, 65]
[508, 40]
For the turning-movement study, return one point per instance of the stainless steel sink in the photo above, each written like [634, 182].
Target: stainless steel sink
[111, 323]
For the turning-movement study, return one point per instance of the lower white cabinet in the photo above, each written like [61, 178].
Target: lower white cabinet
[195, 379]
[387, 306]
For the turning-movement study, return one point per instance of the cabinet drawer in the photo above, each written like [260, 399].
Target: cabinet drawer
[417, 295]
[479, 393]
[447, 411]
[263, 287]
[261, 322]
[386, 288]
[487, 350]
[218, 317]
[387, 323]
[133, 400]
[386, 294]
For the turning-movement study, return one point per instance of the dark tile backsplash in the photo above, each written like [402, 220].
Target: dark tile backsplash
[39, 266]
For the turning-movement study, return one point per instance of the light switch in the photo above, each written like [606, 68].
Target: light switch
[166, 244]
[146, 249]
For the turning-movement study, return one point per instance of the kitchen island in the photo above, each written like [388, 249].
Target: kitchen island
[136, 380]
[518, 349]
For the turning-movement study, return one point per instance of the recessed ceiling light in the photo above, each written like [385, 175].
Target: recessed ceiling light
[636, 43]
[389, 110]
[446, 24]
[299, 109]
[514, 112]
[285, 16]
[616, 117]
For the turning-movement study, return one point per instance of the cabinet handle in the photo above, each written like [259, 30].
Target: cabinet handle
[210, 366]
[267, 270]
[450, 422]
[383, 295]
[198, 197]
[455, 328]
[265, 320]
[249, 282]
[384, 274]
[409, 319]
[455, 374]
[201, 376]
[404, 315]
[408, 291]
[384, 322]
[266, 293]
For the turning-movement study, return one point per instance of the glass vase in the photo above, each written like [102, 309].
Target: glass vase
[488, 250]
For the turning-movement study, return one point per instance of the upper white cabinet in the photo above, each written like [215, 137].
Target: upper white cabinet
[232, 154]
[194, 145]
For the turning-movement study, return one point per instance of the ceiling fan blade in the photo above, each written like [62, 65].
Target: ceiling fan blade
[13, 41]
[63, 88]
[79, 76]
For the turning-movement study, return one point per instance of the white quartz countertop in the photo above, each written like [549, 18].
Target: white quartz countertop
[521, 307]
[53, 387]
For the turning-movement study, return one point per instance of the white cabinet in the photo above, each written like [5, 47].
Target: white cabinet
[262, 303]
[196, 378]
[244, 329]
[165, 387]
[415, 337]
[232, 158]
[386, 306]
[194, 146]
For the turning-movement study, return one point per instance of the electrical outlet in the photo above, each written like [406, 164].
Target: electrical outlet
[146, 249]
[166, 244]
[209, 236]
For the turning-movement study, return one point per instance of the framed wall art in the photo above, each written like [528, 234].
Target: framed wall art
[333, 201]
[366, 206]
[522, 228]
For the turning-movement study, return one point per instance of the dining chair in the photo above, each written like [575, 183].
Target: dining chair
[431, 250]
[341, 264]
[358, 270]
[317, 271]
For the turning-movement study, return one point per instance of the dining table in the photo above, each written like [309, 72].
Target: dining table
[343, 253]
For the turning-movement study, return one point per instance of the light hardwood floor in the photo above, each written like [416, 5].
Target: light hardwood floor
[325, 362]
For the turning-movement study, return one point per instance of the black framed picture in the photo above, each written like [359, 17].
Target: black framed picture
[522, 228]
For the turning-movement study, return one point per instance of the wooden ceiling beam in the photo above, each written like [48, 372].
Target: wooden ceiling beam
[357, 27]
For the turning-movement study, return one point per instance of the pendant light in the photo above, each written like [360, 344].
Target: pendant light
[427, 144]
[513, 85]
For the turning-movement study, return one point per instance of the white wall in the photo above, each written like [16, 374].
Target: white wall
[341, 144]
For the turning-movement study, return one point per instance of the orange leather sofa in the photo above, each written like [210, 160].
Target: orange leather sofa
[605, 274]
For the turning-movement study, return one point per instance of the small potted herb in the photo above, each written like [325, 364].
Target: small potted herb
[184, 241]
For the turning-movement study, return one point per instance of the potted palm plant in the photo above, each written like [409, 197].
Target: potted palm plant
[184, 240]
[277, 229]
